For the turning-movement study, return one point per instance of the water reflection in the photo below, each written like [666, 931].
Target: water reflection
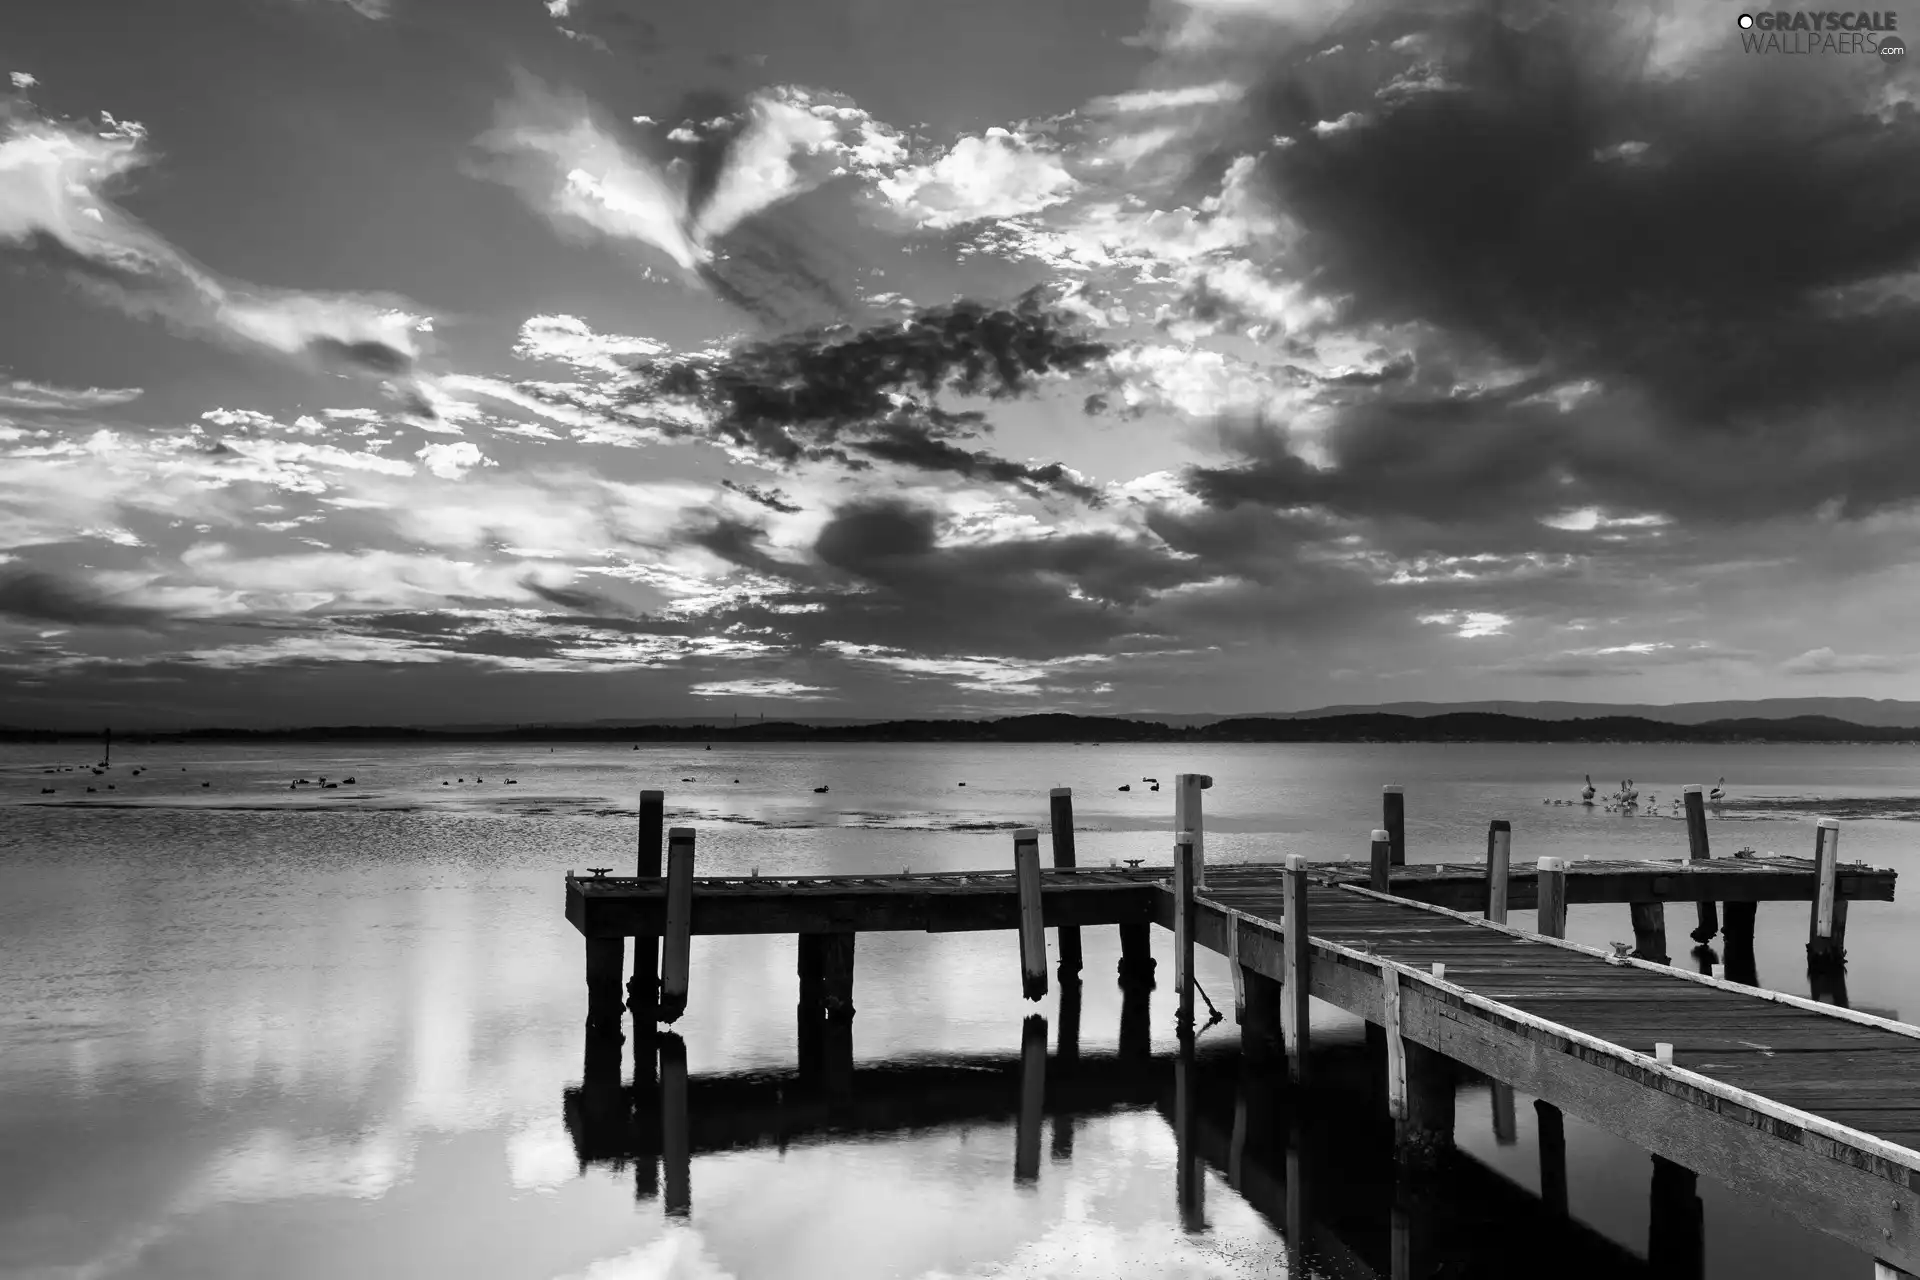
[1317, 1167]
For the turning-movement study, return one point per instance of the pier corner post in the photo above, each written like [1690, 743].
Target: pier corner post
[1499, 853]
[1827, 927]
[1185, 865]
[1553, 897]
[1380, 862]
[676, 951]
[1187, 817]
[1033, 930]
[1297, 966]
[1060, 819]
[643, 988]
[1393, 811]
[1698, 850]
[1650, 929]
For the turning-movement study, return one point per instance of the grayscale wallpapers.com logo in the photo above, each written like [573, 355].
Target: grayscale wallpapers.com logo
[1870, 34]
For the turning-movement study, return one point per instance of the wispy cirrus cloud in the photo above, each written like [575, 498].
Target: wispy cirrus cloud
[16, 393]
[55, 213]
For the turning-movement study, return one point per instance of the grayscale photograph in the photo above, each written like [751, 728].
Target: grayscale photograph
[914, 640]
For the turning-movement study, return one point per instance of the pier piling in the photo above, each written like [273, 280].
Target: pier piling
[1185, 867]
[1296, 967]
[1380, 861]
[1393, 811]
[605, 958]
[1552, 897]
[1649, 921]
[643, 988]
[1187, 817]
[676, 958]
[1425, 1132]
[1699, 851]
[1136, 955]
[1827, 930]
[1499, 851]
[1033, 932]
[1676, 1229]
[1553, 1156]
[1060, 819]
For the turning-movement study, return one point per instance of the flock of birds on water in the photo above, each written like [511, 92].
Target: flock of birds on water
[1626, 799]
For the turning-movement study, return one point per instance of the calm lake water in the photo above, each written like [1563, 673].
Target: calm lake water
[252, 1031]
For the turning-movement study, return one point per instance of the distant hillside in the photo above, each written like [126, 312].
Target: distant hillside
[1371, 726]
[1864, 711]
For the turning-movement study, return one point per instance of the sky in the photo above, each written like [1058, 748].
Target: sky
[514, 361]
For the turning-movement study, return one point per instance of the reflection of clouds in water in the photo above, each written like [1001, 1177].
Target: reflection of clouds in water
[681, 1254]
[540, 1156]
[272, 1164]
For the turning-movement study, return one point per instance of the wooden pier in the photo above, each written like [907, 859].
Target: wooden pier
[1812, 1105]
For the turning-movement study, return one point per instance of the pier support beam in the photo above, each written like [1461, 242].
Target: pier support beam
[1393, 818]
[1827, 926]
[643, 988]
[1136, 955]
[1425, 1132]
[1676, 1231]
[1553, 1156]
[1060, 806]
[1260, 1040]
[1650, 929]
[1699, 851]
[606, 957]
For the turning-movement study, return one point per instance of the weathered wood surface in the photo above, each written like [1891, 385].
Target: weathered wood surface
[1815, 1110]
[954, 901]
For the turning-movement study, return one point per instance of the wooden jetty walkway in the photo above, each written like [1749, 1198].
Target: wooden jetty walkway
[1814, 1106]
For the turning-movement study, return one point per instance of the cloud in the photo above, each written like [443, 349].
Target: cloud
[1469, 625]
[22, 80]
[1824, 661]
[703, 209]
[875, 393]
[54, 213]
[999, 174]
[569, 340]
[1633, 659]
[38, 596]
[19, 394]
[453, 461]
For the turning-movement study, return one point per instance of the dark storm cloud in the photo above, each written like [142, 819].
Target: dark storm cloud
[824, 395]
[572, 598]
[369, 357]
[1702, 249]
[38, 596]
[890, 582]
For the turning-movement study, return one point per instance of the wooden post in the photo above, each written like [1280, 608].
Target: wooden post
[1033, 931]
[1499, 850]
[836, 1004]
[1426, 1133]
[1296, 965]
[643, 988]
[1186, 817]
[1698, 851]
[676, 952]
[1068, 1049]
[1136, 955]
[1190, 1178]
[1396, 1048]
[1136, 1027]
[1380, 862]
[1736, 923]
[1506, 1127]
[1826, 930]
[1650, 930]
[1260, 1040]
[1060, 815]
[605, 958]
[675, 1139]
[1185, 863]
[1553, 897]
[646, 1117]
[1676, 1236]
[1033, 1092]
[1553, 1157]
[1393, 808]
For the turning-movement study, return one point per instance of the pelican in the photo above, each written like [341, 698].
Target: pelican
[1587, 793]
[1719, 791]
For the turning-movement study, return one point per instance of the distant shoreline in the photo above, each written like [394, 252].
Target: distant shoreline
[1377, 728]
